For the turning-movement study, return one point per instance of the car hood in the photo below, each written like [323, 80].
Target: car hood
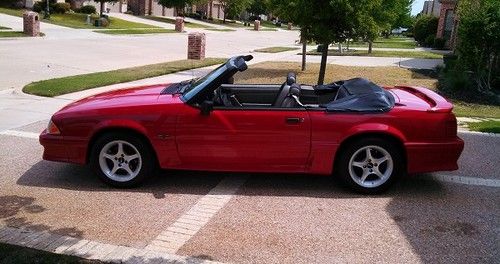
[136, 96]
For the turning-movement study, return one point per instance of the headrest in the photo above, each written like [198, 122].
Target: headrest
[291, 78]
[294, 89]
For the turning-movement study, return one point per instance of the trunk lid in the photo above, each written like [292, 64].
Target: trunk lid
[420, 98]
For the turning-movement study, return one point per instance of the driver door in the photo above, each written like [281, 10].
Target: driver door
[243, 139]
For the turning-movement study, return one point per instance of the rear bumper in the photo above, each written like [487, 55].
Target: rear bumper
[429, 157]
[57, 148]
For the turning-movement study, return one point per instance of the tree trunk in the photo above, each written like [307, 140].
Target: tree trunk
[340, 47]
[304, 47]
[102, 7]
[347, 46]
[322, 68]
[370, 44]
[304, 50]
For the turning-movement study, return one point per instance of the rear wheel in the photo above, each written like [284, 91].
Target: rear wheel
[370, 165]
[121, 160]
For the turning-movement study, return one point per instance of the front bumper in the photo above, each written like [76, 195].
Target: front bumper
[59, 148]
[429, 157]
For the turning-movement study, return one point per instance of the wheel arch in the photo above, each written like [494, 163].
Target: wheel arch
[140, 133]
[394, 138]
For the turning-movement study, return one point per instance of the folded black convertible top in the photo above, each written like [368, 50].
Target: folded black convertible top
[360, 95]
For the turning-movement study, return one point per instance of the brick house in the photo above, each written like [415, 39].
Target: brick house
[448, 22]
[213, 9]
[431, 8]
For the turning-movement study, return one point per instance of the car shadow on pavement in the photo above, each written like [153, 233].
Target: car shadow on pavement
[75, 177]
[455, 226]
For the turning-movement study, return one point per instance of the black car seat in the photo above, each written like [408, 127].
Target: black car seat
[284, 89]
[291, 100]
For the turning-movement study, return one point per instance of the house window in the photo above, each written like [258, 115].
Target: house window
[448, 24]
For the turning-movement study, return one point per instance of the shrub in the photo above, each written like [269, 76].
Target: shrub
[38, 7]
[439, 43]
[424, 27]
[9, 3]
[478, 46]
[429, 41]
[253, 18]
[61, 8]
[194, 15]
[87, 9]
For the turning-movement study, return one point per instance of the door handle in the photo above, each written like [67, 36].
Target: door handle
[294, 120]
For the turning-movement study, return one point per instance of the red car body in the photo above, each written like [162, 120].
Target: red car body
[255, 140]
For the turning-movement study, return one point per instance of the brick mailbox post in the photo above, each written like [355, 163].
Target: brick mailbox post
[256, 25]
[179, 24]
[31, 24]
[196, 46]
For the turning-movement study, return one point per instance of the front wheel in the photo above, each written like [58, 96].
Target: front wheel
[370, 165]
[121, 160]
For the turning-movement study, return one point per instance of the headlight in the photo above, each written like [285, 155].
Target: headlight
[53, 129]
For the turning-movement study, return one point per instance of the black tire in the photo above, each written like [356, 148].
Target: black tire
[146, 156]
[377, 147]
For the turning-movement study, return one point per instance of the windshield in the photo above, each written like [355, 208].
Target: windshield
[198, 84]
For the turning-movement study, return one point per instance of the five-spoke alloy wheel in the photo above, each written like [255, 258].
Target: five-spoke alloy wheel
[370, 165]
[121, 160]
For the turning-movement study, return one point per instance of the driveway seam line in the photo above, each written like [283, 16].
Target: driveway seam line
[180, 232]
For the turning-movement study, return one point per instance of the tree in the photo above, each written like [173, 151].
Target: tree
[425, 28]
[381, 16]
[177, 4]
[327, 21]
[259, 7]
[478, 44]
[233, 8]
[102, 2]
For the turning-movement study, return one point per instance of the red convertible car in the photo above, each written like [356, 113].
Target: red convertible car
[366, 135]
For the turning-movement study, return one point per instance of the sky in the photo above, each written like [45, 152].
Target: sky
[417, 6]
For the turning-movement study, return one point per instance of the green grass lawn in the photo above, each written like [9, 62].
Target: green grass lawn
[70, 84]
[12, 34]
[461, 108]
[490, 126]
[12, 12]
[4, 28]
[135, 31]
[220, 29]
[77, 20]
[394, 42]
[382, 53]
[23, 255]
[229, 23]
[172, 21]
[275, 49]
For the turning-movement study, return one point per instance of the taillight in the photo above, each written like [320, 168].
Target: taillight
[451, 126]
[53, 129]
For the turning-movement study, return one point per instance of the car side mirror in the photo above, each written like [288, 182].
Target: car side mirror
[207, 107]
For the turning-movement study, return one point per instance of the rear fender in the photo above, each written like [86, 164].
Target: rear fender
[323, 157]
